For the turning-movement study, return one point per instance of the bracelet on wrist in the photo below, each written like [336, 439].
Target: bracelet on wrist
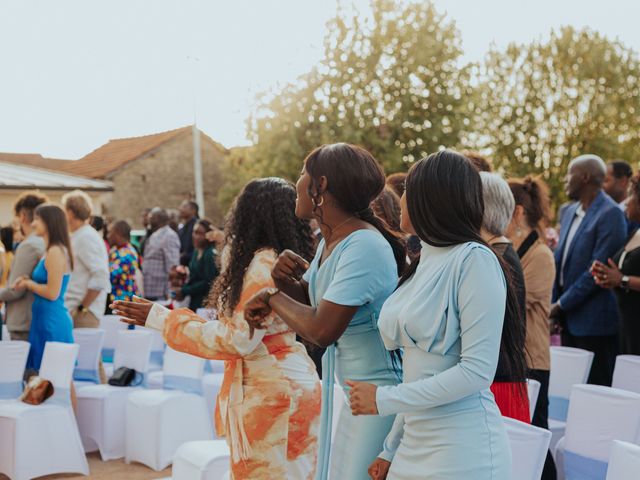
[270, 293]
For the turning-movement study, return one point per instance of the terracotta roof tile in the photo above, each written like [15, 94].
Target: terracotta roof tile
[118, 152]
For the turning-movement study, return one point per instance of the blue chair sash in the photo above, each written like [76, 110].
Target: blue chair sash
[107, 355]
[61, 396]
[186, 384]
[157, 358]
[86, 375]
[578, 467]
[11, 389]
[558, 408]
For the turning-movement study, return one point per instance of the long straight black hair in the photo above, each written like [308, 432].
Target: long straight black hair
[355, 179]
[446, 207]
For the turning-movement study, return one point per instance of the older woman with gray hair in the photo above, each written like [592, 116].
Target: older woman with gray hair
[509, 385]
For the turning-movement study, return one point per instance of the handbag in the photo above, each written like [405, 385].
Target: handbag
[37, 391]
[122, 377]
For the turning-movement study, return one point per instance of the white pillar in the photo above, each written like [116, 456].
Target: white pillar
[197, 169]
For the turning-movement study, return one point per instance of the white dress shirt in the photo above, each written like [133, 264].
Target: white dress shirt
[90, 271]
[575, 224]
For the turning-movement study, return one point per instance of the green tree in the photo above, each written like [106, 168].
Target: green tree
[542, 104]
[389, 81]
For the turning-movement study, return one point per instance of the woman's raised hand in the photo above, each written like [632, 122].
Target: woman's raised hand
[257, 309]
[132, 312]
[289, 268]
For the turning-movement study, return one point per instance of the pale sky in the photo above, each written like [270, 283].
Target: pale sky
[74, 73]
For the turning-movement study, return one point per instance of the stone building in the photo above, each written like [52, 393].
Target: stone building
[152, 170]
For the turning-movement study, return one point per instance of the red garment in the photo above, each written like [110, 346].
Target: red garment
[512, 400]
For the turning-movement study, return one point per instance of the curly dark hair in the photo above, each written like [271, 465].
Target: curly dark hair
[262, 216]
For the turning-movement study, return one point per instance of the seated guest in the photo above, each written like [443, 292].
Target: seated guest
[123, 262]
[509, 385]
[592, 228]
[202, 267]
[161, 254]
[621, 273]
[27, 255]
[526, 232]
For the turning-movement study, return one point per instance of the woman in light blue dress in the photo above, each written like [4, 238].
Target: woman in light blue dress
[50, 320]
[337, 302]
[447, 315]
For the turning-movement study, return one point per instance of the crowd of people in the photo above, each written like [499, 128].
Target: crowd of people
[432, 296]
[62, 266]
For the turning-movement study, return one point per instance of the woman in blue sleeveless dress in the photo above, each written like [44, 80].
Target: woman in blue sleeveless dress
[337, 301]
[50, 321]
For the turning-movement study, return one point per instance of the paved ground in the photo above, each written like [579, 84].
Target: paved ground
[112, 470]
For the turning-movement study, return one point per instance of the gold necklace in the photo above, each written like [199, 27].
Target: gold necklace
[333, 230]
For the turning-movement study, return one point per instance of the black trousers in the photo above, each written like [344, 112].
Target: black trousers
[541, 417]
[605, 349]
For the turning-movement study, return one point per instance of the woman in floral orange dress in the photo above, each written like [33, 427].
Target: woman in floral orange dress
[269, 404]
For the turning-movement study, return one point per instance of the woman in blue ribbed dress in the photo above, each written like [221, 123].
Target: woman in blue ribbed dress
[447, 316]
[50, 320]
[337, 302]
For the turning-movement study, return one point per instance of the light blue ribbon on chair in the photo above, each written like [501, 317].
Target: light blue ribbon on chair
[61, 396]
[186, 384]
[86, 375]
[207, 367]
[558, 408]
[328, 381]
[157, 357]
[107, 355]
[577, 467]
[10, 389]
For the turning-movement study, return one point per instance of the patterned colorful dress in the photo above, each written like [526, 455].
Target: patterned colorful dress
[269, 404]
[123, 265]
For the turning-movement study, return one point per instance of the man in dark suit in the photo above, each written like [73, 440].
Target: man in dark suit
[188, 217]
[591, 228]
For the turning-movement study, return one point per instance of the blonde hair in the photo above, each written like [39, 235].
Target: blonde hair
[78, 203]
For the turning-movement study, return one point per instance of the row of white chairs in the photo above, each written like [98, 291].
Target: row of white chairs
[160, 460]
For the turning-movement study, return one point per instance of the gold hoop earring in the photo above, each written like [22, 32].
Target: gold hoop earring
[320, 203]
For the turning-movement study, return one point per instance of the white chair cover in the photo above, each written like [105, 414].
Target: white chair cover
[90, 341]
[101, 408]
[626, 374]
[13, 359]
[533, 390]
[6, 336]
[204, 460]
[624, 461]
[43, 439]
[529, 446]
[158, 346]
[597, 416]
[569, 367]
[111, 325]
[211, 384]
[159, 421]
